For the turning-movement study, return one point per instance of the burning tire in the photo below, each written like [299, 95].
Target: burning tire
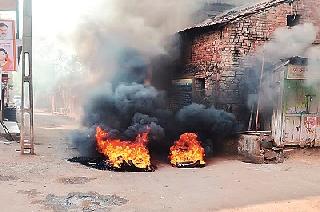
[103, 164]
[187, 152]
[124, 155]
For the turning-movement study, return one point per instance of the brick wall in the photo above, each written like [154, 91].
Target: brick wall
[215, 54]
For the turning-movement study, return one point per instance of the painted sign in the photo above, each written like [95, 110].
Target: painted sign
[311, 122]
[296, 72]
[182, 93]
[7, 45]
[8, 5]
[182, 82]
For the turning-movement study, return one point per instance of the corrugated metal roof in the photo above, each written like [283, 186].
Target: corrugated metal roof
[238, 12]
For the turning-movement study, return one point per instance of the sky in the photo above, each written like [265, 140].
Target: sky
[54, 17]
[54, 25]
[54, 22]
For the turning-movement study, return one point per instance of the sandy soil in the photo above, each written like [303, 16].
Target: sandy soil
[36, 183]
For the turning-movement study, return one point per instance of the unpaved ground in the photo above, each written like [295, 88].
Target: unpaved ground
[47, 181]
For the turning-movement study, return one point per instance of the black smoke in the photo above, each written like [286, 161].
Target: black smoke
[128, 108]
[207, 122]
[120, 108]
[132, 67]
[124, 52]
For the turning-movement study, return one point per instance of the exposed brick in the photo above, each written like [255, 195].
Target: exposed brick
[212, 53]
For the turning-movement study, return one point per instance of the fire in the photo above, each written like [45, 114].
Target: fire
[187, 150]
[119, 153]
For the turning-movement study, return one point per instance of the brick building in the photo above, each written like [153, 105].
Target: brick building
[213, 51]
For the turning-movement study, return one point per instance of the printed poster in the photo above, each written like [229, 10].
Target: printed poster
[8, 5]
[7, 45]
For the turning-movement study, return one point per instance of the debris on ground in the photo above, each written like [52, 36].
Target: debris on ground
[259, 149]
[103, 164]
[30, 193]
[8, 177]
[77, 201]
[75, 180]
[5, 141]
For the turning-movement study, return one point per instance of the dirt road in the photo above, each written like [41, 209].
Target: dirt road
[47, 181]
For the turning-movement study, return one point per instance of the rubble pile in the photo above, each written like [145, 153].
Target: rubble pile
[259, 149]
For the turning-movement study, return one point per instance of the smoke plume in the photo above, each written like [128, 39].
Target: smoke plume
[313, 73]
[213, 123]
[129, 108]
[141, 25]
[121, 50]
[284, 44]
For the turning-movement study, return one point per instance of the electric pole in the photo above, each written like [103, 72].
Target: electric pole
[27, 132]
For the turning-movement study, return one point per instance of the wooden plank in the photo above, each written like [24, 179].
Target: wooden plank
[277, 115]
[292, 129]
[308, 129]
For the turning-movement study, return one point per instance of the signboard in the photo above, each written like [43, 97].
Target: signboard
[7, 45]
[182, 93]
[311, 122]
[296, 72]
[8, 5]
[182, 82]
[5, 78]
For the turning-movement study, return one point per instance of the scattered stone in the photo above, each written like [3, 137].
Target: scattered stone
[266, 144]
[38, 143]
[274, 155]
[270, 155]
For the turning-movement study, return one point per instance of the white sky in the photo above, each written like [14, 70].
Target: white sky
[53, 17]
[55, 22]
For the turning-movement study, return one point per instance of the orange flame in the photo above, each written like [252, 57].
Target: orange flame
[119, 152]
[187, 150]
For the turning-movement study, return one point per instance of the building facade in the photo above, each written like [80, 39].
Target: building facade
[213, 52]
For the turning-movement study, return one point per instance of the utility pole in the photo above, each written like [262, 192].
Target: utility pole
[27, 132]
